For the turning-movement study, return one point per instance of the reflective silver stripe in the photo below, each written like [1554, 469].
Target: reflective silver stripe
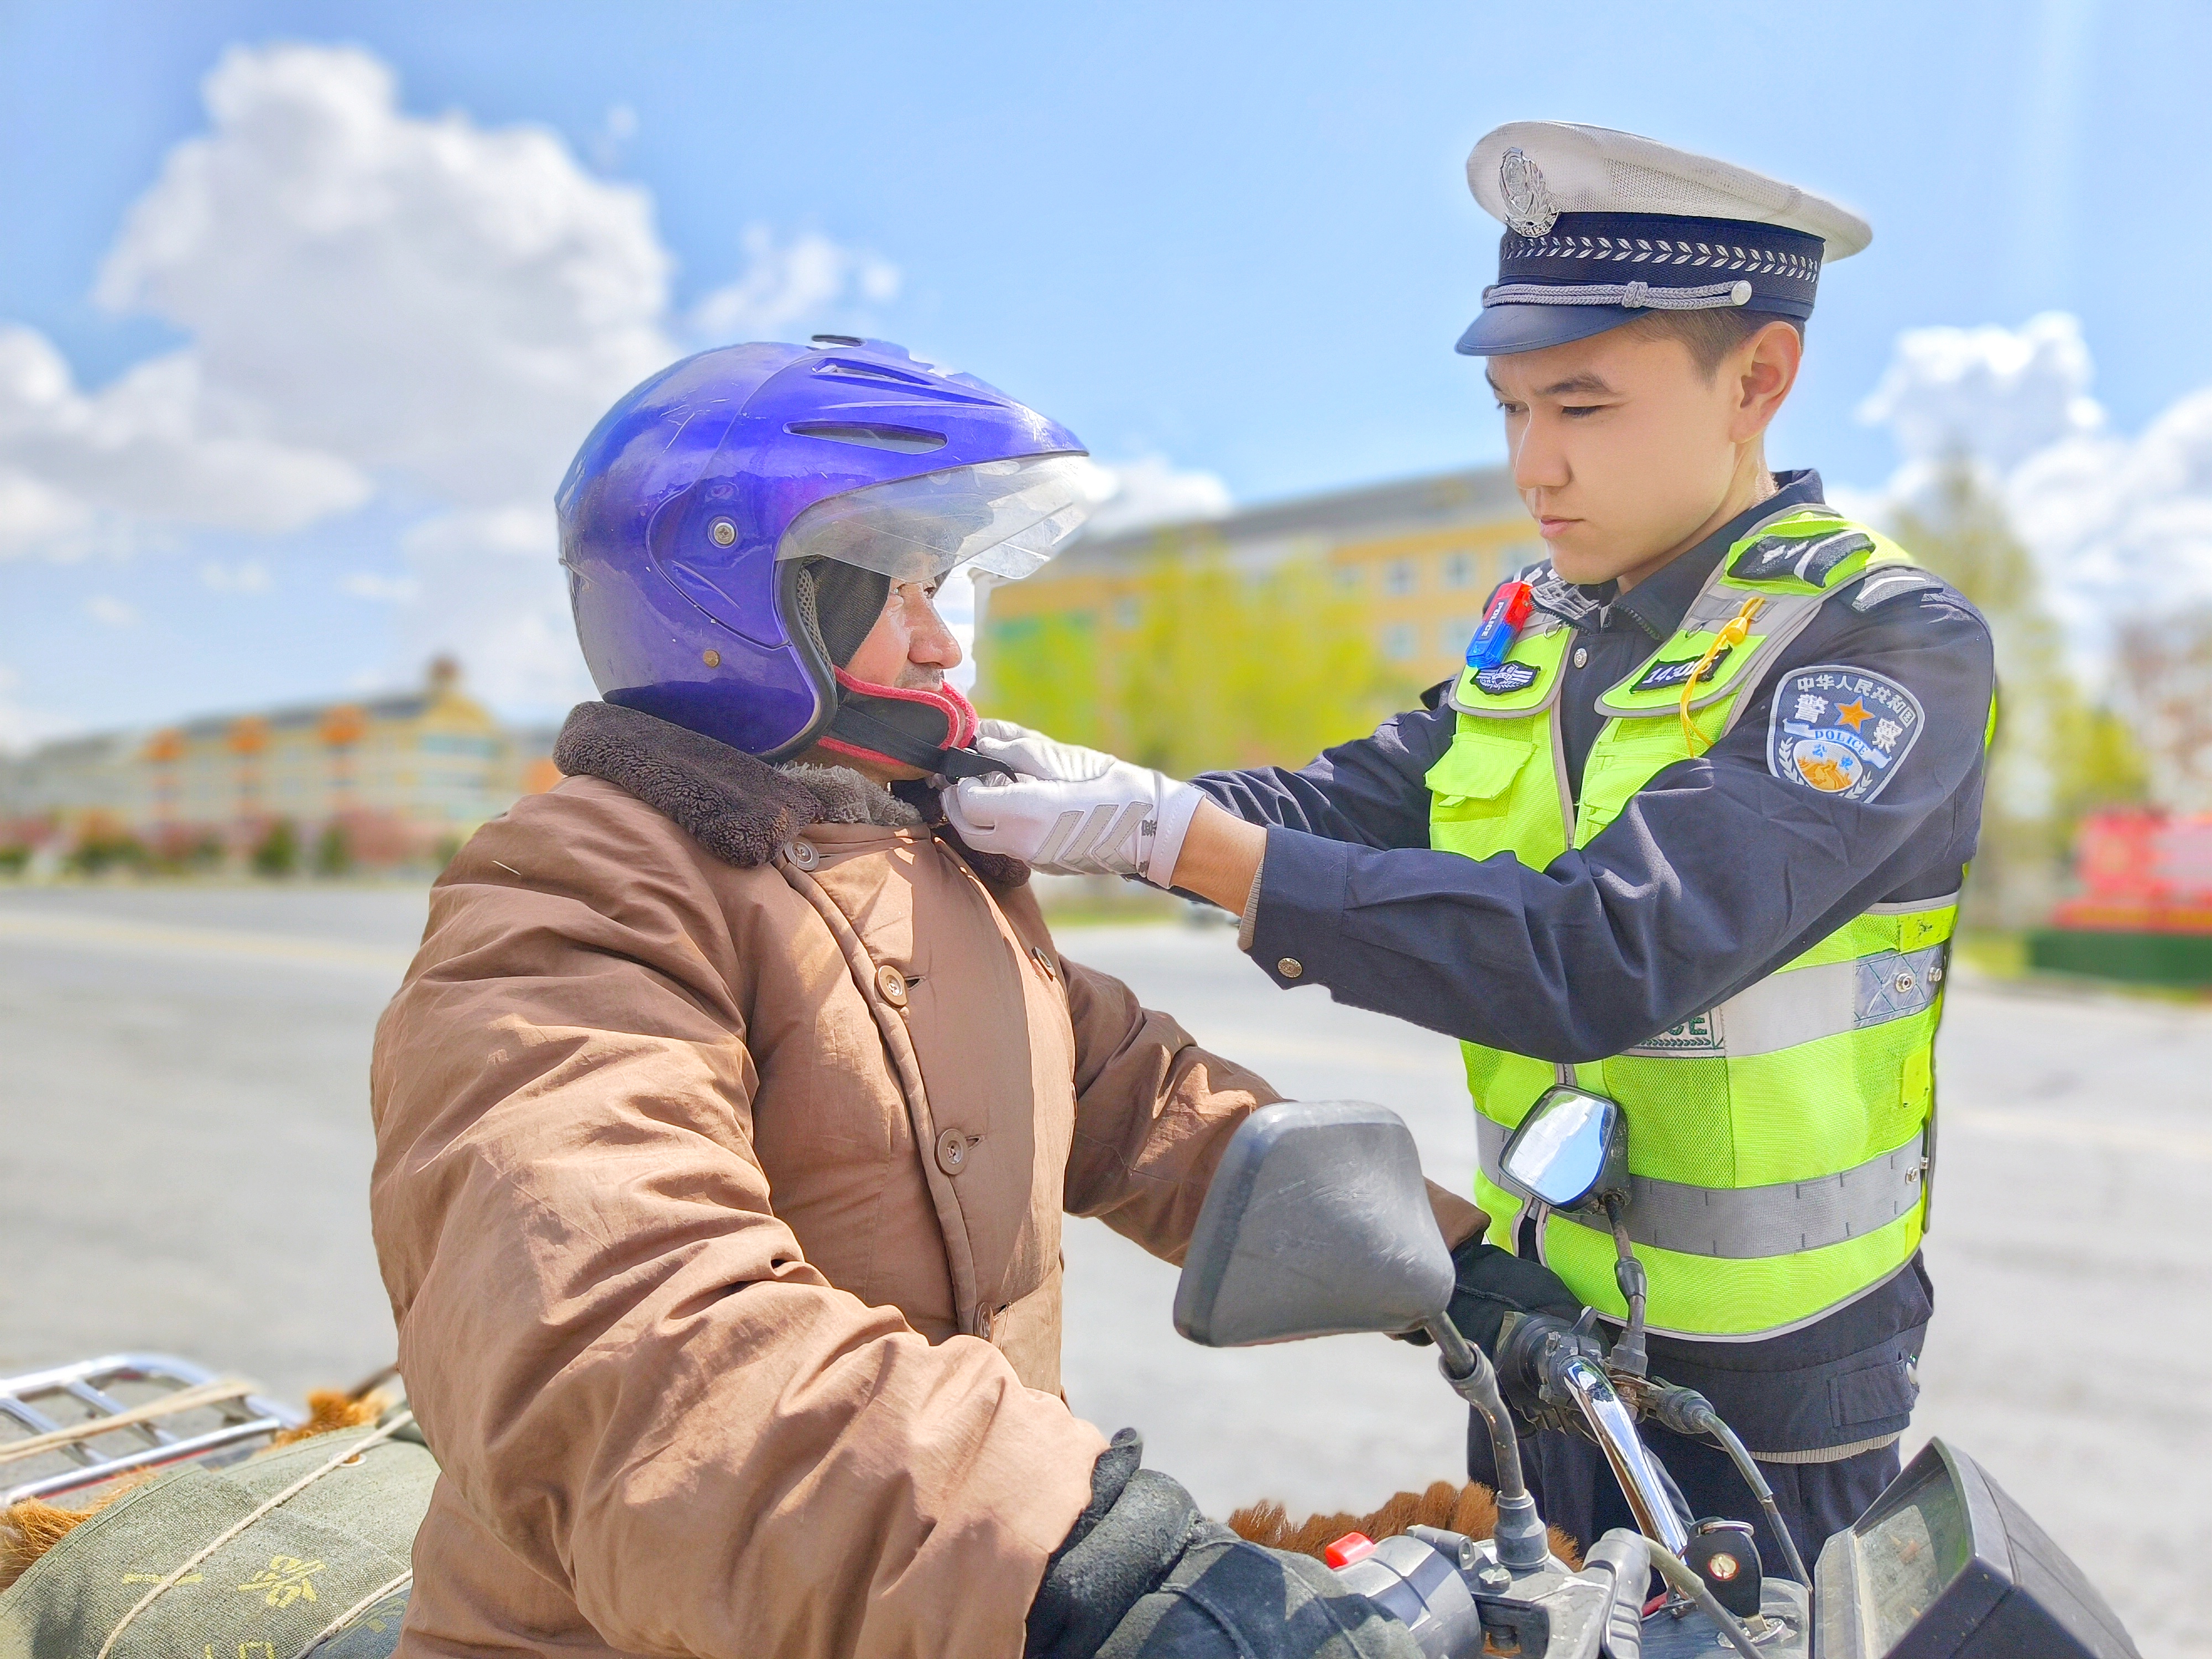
[1803, 1005]
[1744, 1223]
[1914, 907]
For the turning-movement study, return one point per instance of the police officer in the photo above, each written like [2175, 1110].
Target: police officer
[1688, 832]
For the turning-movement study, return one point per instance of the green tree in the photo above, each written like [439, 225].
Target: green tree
[333, 850]
[1223, 668]
[2057, 755]
[278, 853]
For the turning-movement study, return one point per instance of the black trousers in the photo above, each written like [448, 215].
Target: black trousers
[1576, 1490]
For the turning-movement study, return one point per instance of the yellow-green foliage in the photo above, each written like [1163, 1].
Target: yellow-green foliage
[2058, 755]
[1223, 668]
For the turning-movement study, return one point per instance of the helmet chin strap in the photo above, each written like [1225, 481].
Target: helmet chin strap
[904, 725]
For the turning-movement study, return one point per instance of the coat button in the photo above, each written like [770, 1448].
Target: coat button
[1581, 657]
[1043, 961]
[892, 984]
[1290, 967]
[952, 1151]
[803, 854]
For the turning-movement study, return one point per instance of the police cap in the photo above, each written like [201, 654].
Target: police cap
[1603, 227]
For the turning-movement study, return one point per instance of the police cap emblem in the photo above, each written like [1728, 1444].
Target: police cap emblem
[1530, 210]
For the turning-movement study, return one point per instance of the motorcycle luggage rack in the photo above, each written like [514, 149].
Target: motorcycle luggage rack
[154, 1409]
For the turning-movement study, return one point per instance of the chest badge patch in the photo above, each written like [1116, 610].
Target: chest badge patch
[1840, 730]
[1669, 676]
[1506, 678]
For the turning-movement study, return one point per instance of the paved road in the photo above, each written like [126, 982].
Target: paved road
[182, 1143]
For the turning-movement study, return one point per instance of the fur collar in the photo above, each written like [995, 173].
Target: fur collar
[736, 805]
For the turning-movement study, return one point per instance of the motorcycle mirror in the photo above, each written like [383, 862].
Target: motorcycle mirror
[1317, 1224]
[1570, 1152]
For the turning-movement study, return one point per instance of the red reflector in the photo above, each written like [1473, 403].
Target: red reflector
[1352, 1546]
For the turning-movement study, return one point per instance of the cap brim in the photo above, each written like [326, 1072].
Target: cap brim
[1501, 331]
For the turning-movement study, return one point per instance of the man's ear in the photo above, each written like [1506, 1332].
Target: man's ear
[1764, 369]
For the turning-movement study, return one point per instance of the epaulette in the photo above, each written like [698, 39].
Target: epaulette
[1880, 586]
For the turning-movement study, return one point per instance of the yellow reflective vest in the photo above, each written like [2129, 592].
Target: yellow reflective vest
[1778, 1143]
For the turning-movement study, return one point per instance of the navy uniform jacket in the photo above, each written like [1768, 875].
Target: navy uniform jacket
[1719, 871]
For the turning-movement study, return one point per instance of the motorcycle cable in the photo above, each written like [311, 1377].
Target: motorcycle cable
[1628, 1353]
[1688, 1412]
[1520, 1537]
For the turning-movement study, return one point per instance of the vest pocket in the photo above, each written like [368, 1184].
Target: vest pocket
[1474, 777]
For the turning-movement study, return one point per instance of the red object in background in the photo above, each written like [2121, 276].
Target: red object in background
[1352, 1546]
[2142, 872]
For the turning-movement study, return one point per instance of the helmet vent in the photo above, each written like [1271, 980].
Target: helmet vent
[906, 440]
[885, 379]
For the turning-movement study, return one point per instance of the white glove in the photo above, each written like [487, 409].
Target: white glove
[1034, 755]
[1121, 820]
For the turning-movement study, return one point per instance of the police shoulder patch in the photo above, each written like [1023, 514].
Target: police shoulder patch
[1840, 730]
[1669, 676]
[1506, 678]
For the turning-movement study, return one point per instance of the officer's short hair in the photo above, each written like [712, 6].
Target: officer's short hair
[1709, 335]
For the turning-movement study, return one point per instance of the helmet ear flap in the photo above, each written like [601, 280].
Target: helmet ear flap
[847, 601]
[796, 605]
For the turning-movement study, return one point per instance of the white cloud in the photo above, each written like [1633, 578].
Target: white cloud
[1150, 491]
[247, 576]
[107, 609]
[423, 295]
[156, 449]
[1998, 394]
[2117, 524]
[790, 282]
[22, 727]
[391, 590]
[378, 301]
[493, 595]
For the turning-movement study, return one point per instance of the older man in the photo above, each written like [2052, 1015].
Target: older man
[726, 1117]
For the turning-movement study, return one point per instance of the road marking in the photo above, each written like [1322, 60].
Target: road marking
[75, 930]
[2131, 1137]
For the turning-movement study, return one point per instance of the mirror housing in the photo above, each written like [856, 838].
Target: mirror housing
[1317, 1224]
[1570, 1152]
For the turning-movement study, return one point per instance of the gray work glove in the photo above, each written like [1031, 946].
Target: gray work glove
[1143, 1575]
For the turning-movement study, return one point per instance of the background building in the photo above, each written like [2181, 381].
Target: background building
[375, 780]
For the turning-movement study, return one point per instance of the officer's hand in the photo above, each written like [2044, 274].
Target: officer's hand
[1121, 820]
[1034, 755]
[1143, 1575]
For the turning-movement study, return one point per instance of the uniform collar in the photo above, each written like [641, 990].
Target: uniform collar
[1658, 603]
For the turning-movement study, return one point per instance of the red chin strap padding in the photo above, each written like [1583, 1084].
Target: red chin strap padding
[899, 725]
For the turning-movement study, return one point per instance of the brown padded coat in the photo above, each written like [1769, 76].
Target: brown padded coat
[718, 1190]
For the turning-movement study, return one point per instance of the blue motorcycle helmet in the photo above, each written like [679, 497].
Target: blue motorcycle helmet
[732, 527]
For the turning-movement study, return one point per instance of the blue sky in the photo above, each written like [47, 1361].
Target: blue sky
[1234, 237]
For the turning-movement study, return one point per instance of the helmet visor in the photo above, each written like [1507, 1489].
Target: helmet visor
[1006, 517]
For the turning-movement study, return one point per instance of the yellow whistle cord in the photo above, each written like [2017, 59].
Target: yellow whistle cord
[1732, 634]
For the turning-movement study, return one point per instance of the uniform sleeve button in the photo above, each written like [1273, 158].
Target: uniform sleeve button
[892, 984]
[952, 1151]
[1290, 967]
